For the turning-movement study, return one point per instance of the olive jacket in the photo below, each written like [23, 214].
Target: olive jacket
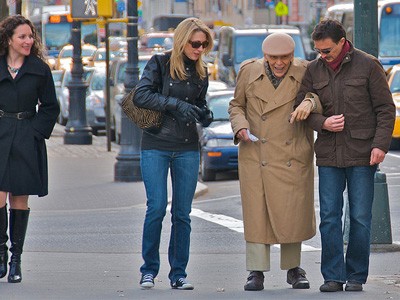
[360, 92]
[23, 156]
[276, 173]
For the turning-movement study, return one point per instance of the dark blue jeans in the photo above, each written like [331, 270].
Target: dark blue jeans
[184, 168]
[360, 186]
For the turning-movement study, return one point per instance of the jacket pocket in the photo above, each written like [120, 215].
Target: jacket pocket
[356, 90]
[359, 144]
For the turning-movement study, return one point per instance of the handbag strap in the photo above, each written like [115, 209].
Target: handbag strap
[164, 77]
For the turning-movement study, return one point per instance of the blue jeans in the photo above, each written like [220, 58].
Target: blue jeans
[360, 186]
[184, 168]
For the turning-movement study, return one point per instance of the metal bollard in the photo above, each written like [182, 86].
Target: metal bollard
[381, 230]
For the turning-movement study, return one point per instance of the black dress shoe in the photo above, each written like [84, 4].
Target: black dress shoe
[297, 278]
[331, 286]
[352, 286]
[255, 281]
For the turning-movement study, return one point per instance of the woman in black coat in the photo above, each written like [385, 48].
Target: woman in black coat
[28, 112]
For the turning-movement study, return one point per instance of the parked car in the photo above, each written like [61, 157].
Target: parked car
[98, 60]
[153, 40]
[62, 92]
[117, 91]
[95, 113]
[216, 85]
[218, 153]
[393, 77]
[64, 59]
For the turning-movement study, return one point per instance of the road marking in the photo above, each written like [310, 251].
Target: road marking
[234, 224]
[228, 222]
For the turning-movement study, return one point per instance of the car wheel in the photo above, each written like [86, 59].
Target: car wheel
[206, 174]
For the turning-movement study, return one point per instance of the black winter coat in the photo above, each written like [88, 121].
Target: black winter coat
[23, 156]
[158, 91]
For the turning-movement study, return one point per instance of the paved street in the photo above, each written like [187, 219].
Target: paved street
[84, 239]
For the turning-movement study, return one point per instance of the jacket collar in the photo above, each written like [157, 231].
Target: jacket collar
[259, 70]
[32, 65]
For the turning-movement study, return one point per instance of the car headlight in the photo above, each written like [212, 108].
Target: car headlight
[93, 101]
[220, 143]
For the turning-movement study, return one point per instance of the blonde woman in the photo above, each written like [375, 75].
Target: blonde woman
[175, 83]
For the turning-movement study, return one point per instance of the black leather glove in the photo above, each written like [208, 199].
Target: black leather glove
[207, 116]
[189, 111]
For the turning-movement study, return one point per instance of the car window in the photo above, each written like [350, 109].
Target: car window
[395, 85]
[98, 81]
[66, 53]
[219, 106]
[122, 68]
[86, 75]
[57, 76]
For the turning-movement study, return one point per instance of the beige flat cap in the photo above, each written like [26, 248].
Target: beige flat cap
[278, 44]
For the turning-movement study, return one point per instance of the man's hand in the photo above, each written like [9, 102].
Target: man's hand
[242, 135]
[301, 112]
[377, 156]
[334, 123]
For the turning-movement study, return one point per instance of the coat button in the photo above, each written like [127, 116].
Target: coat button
[288, 142]
[170, 84]
[186, 140]
[187, 124]
[263, 140]
[263, 118]
[263, 163]
[289, 164]
[188, 83]
[187, 98]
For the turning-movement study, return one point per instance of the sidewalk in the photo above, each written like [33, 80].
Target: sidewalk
[82, 176]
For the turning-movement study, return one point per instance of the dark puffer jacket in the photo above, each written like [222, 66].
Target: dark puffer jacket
[158, 91]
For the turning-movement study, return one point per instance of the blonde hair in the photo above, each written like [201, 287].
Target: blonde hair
[182, 35]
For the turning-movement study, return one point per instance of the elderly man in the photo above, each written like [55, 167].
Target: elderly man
[275, 161]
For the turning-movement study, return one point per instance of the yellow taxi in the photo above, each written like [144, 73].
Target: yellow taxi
[64, 59]
[393, 77]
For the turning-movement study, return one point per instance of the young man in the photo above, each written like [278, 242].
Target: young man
[354, 134]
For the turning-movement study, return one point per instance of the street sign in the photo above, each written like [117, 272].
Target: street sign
[318, 4]
[281, 9]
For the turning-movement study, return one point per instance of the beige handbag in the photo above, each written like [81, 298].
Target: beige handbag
[144, 118]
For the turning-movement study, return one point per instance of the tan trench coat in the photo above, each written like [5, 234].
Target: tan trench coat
[276, 173]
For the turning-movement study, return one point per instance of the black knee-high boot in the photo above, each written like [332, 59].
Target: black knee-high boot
[3, 241]
[18, 224]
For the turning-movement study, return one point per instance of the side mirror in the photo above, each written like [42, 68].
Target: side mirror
[227, 60]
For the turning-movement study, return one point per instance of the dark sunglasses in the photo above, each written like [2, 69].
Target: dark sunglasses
[323, 51]
[197, 44]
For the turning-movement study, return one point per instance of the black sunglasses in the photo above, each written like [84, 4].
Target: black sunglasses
[323, 51]
[197, 44]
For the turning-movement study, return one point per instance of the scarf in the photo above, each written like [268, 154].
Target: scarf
[335, 64]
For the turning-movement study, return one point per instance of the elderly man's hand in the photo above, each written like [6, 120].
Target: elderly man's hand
[243, 136]
[301, 112]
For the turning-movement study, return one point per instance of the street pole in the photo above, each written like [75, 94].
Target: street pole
[127, 167]
[77, 131]
[366, 26]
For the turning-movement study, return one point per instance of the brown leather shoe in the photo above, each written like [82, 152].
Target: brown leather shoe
[255, 281]
[297, 278]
